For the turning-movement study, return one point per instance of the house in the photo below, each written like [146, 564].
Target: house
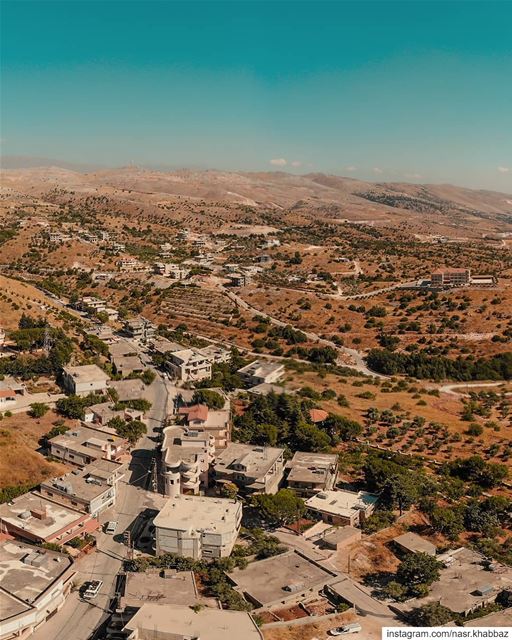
[174, 271]
[131, 389]
[34, 518]
[85, 379]
[126, 365]
[140, 328]
[343, 507]
[187, 453]
[281, 580]
[91, 489]
[450, 277]
[91, 303]
[180, 622]
[189, 365]
[35, 585]
[121, 348]
[216, 354]
[252, 469]
[259, 372]
[339, 538]
[84, 445]
[215, 422]
[198, 527]
[413, 543]
[347, 591]
[131, 264]
[310, 473]
[238, 279]
[103, 412]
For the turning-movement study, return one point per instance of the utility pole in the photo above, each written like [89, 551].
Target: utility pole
[154, 475]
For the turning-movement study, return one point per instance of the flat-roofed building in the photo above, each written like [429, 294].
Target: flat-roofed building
[252, 469]
[82, 445]
[216, 354]
[126, 365]
[140, 328]
[34, 585]
[175, 622]
[450, 277]
[259, 371]
[343, 507]
[288, 577]
[413, 543]
[84, 379]
[92, 489]
[189, 365]
[310, 473]
[340, 537]
[34, 518]
[198, 527]
[133, 389]
[187, 453]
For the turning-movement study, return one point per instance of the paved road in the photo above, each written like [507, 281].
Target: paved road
[78, 619]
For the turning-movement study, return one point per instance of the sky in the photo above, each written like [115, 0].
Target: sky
[417, 91]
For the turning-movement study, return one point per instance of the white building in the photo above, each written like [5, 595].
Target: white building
[343, 507]
[189, 365]
[251, 468]
[259, 371]
[85, 379]
[198, 527]
[35, 584]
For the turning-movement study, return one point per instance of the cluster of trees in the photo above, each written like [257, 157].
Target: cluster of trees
[476, 470]
[224, 374]
[259, 544]
[279, 509]
[212, 574]
[285, 420]
[212, 399]
[74, 407]
[414, 576]
[132, 430]
[425, 366]
[30, 337]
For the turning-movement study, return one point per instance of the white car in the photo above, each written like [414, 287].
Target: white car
[355, 627]
[111, 527]
[93, 588]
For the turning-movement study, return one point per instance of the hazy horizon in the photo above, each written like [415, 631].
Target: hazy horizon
[384, 90]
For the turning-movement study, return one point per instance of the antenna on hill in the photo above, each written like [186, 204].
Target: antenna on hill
[47, 341]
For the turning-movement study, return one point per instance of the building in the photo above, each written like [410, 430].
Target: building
[131, 264]
[101, 414]
[85, 379]
[413, 543]
[84, 445]
[238, 279]
[126, 365]
[214, 422]
[186, 457]
[91, 489]
[91, 303]
[466, 583]
[343, 507]
[131, 389]
[483, 281]
[455, 277]
[339, 538]
[35, 584]
[310, 473]
[140, 328]
[259, 371]
[216, 354]
[198, 527]
[179, 622]
[34, 518]
[347, 591]
[10, 391]
[252, 469]
[189, 365]
[121, 349]
[174, 271]
[283, 579]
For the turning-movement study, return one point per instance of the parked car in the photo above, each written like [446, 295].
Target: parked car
[93, 588]
[354, 627]
[111, 527]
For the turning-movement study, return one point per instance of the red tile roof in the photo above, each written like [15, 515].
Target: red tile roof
[195, 412]
[318, 415]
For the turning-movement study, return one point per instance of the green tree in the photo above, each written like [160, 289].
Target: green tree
[418, 569]
[282, 508]
[430, 615]
[212, 399]
[38, 409]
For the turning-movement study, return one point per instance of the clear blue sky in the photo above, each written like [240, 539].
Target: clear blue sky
[383, 90]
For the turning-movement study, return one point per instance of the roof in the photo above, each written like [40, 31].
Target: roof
[163, 622]
[75, 485]
[26, 573]
[184, 444]
[86, 373]
[341, 534]
[188, 513]
[128, 389]
[195, 412]
[415, 543]
[311, 467]
[342, 503]
[261, 368]
[279, 577]
[318, 415]
[20, 514]
[252, 460]
[121, 348]
[360, 598]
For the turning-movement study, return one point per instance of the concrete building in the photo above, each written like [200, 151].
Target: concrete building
[126, 365]
[340, 537]
[347, 591]
[92, 489]
[283, 579]
[84, 445]
[173, 271]
[101, 414]
[413, 543]
[189, 365]
[450, 277]
[198, 527]
[140, 328]
[343, 507]
[259, 371]
[238, 279]
[34, 518]
[128, 389]
[216, 354]
[215, 422]
[252, 469]
[10, 391]
[35, 584]
[483, 281]
[175, 622]
[85, 379]
[186, 457]
[310, 473]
